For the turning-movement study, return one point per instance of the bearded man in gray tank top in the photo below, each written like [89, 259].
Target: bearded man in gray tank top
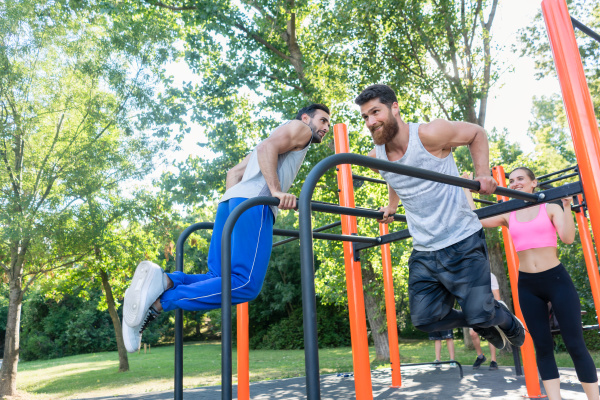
[449, 261]
[269, 170]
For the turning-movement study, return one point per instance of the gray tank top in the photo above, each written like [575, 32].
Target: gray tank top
[253, 184]
[438, 214]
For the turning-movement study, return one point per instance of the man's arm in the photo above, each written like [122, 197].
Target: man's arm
[292, 136]
[393, 199]
[491, 222]
[235, 174]
[440, 136]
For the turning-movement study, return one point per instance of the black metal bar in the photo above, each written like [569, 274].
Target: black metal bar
[557, 193]
[517, 360]
[323, 228]
[585, 29]
[367, 179]
[560, 171]
[226, 324]
[356, 212]
[484, 201]
[560, 178]
[329, 236]
[546, 196]
[178, 384]
[306, 243]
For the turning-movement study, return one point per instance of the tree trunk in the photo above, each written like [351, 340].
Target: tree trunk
[377, 323]
[376, 318]
[110, 301]
[467, 339]
[8, 372]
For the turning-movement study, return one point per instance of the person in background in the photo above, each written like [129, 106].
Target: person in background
[269, 170]
[438, 336]
[542, 279]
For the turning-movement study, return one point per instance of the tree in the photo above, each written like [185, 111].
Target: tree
[78, 116]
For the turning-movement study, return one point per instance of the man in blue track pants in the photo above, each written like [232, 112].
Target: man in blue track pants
[269, 170]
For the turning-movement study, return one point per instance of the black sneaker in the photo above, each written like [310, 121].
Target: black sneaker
[479, 361]
[493, 366]
[516, 335]
[493, 335]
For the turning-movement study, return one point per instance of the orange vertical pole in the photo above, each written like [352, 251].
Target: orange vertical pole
[356, 302]
[529, 364]
[577, 101]
[587, 247]
[390, 308]
[243, 353]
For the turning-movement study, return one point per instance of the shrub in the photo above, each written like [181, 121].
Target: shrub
[332, 328]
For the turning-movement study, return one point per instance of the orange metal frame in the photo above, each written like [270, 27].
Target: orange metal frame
[577, 102]
[356, 305]
[358, 327]
[390, 308]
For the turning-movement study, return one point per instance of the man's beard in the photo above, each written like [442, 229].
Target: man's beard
[316, 138]
[387, 133]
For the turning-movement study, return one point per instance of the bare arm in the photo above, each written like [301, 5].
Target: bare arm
[393, 199]
[492, 222]
[563, 220]
[235, 174]
[292, 136]
[440, 136]
[496, 293]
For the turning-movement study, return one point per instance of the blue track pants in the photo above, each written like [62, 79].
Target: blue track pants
[251, 243]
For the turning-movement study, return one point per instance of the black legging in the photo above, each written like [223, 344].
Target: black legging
[555, 286]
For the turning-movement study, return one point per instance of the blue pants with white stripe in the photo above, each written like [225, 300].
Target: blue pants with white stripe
[251, 243]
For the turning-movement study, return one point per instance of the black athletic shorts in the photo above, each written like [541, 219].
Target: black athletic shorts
[457, 272]
[441, 335]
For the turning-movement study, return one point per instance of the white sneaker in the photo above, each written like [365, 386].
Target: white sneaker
[132, 338]
[132, 335]
[148, 283]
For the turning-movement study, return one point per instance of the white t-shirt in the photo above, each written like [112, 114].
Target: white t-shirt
[495, 285]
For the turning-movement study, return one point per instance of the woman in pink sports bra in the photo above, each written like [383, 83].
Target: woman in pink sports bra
[543, 279]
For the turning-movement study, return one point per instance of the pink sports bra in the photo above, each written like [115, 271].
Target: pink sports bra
[539, 232]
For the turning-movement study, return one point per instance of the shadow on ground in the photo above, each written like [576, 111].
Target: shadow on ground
[418, 383]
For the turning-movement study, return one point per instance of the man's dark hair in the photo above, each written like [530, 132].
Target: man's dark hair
[384, 93]
[311, 110]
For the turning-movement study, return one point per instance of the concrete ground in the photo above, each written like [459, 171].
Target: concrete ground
[418, 382]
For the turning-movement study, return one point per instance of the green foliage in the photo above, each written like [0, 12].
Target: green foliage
[276, 314]
[71, 326]
[332, 328]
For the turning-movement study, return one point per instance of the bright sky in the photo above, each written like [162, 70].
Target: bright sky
[510, 100]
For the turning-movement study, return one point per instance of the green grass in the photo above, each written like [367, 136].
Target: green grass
[92, 375]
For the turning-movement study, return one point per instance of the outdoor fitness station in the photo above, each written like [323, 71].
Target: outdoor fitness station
[586, 141]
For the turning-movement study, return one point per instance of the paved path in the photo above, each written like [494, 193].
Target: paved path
[418, 383]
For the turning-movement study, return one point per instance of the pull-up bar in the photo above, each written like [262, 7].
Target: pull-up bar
[291, 239]
[550, 195]
[306, 245]
[585, 29]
